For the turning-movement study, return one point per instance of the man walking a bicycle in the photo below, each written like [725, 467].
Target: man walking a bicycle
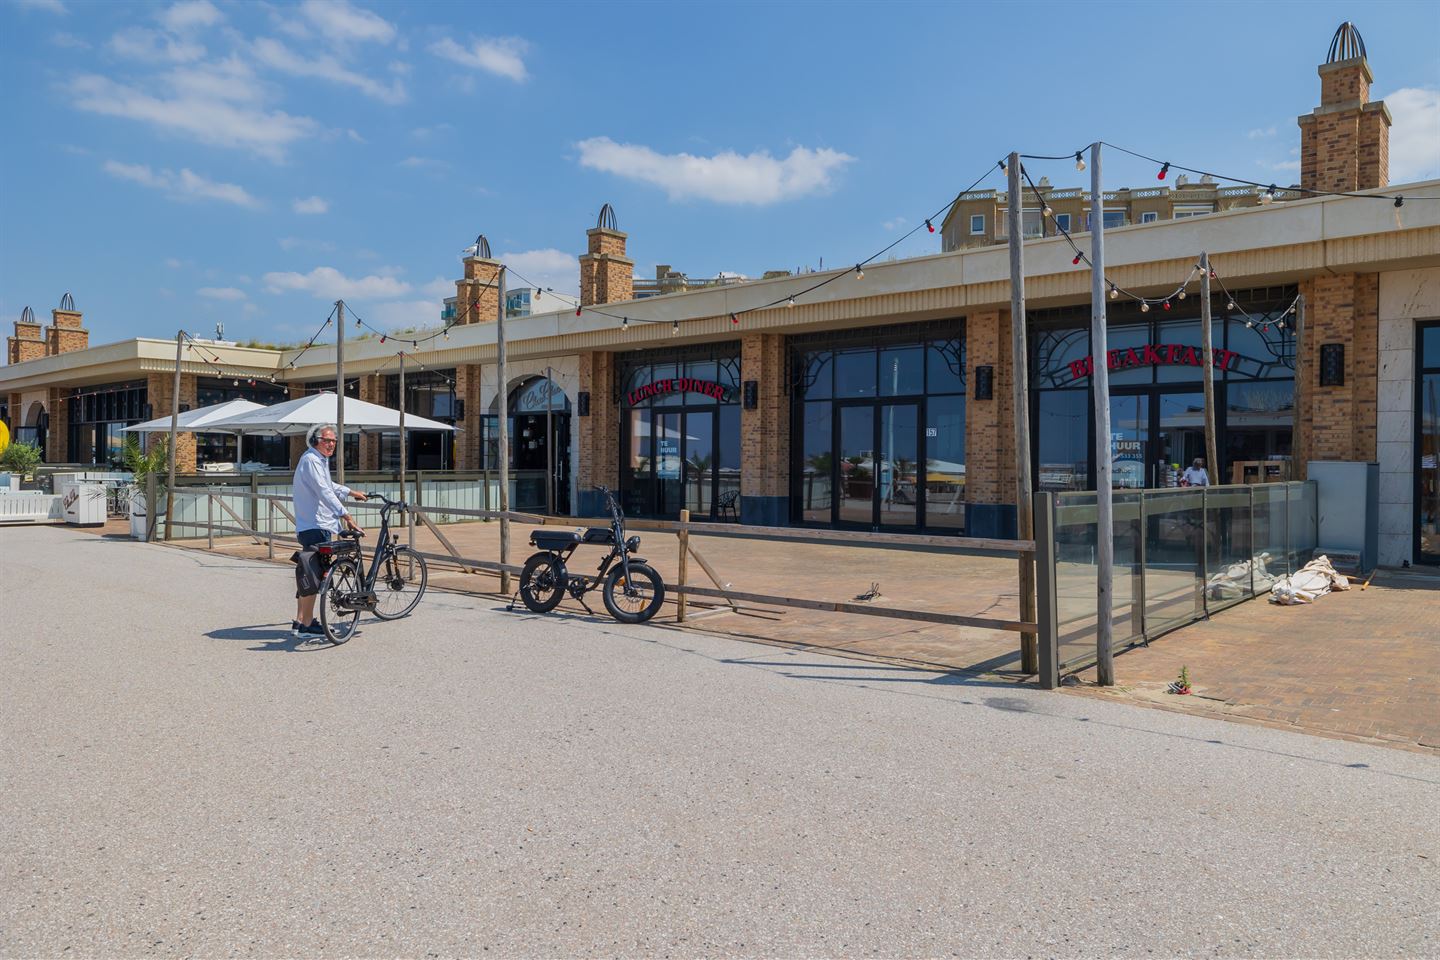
[319, 513]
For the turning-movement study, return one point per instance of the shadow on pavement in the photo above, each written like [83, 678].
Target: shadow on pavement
[271, 638]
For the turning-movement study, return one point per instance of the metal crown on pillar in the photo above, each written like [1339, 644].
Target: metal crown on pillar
[67, 303]
[481, 246]
[1347, 44]
[606, 220]
[27, 315]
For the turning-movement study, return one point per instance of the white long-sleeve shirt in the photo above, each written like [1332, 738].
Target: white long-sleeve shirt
[317, 498]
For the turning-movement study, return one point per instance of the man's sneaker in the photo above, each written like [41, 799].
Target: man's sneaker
[297, 631]
[314, 630]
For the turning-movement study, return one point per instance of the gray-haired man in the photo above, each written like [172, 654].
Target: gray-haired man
[319, 511]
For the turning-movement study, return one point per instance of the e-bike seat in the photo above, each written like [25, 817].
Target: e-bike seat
[601, 535]
[554, 540]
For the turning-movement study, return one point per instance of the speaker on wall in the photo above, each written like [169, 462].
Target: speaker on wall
[984, 383]
[582, 403]
[1332, 364]
[460, 409]
[752, 394]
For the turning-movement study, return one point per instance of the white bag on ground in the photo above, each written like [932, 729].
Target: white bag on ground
[1309, 583]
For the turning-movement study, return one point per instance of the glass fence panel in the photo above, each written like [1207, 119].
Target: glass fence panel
[1229, 573]
[1173, 522]
[1302, 522]
[1076, 572]
[1269, 523]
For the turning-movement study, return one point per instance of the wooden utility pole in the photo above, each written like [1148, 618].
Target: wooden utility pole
[1211, 460]
[1100, 384]
[549, 443]
[402, 424]
[1019, 363]
[174, 432]
[340, 390]
[501, 378]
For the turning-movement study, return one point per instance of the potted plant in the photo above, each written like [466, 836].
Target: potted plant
[20, 459]
[142, 464]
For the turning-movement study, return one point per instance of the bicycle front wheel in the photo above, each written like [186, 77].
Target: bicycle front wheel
[399, 584]
[340, 594]
[636, 598]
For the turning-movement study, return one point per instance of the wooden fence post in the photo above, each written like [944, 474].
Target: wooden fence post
[684, 536]
[270, 526]
[210, 521]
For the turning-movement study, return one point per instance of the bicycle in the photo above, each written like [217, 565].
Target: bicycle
[633, 592]
[391, 589]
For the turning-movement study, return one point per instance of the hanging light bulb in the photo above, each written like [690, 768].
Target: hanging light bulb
[1293, 308]
[1144, 306]
[929, 226]
[1399, 202]
[382, 338]
[1114, 294]
[1002, 167]
[446, 333]
[1079, 161]
[537, 293]
[734, 320]
[1164, 169]
[1180, 295]
[1268, 195]
[674, 327]
[859, 272]
[1265, 329]
[1048, 212]
[1076, 261]
[790, 303]
[577, 310]
[624, 323]
[234, 383]
[1249, 324]
[1230, 305]
[1166, 305]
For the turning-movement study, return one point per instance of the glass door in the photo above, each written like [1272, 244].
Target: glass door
[1130, 441]
[897, 491]
[1179, 437]
[699, 465]
[669, 485]
[1427, 503]
[855, 502]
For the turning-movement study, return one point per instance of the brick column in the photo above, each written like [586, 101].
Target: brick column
[17, 416]
[598, 449]
[159, 393]
[765, 433]
[57, 436]
[990, 429]
[1339, 423]
[372, 390]
[477, 295]
[297, 443]
[467, 391]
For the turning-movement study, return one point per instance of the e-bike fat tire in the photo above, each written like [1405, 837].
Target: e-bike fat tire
[637, 599]
[542, 582]
[341, 581]
[399, 584]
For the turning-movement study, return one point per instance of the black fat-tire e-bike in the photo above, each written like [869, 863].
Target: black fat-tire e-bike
[633, 592]
[390, 590]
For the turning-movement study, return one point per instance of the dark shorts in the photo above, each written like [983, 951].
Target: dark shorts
[307, 564]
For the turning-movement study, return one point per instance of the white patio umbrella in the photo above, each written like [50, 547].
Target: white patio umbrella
[299, 415]
[196, 421]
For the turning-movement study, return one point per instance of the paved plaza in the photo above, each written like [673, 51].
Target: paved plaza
[183, 778]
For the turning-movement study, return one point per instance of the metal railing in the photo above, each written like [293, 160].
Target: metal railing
[1181, 555]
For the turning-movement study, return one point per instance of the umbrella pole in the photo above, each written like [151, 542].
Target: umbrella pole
[500, 371]
[402, 424]
[174, 429]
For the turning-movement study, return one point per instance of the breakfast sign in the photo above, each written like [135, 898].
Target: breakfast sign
[669, 385]
[1155, 355]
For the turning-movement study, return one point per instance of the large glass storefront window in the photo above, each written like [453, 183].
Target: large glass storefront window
[97, 415]
[1427, 443]
[429, 394]
[1157, 410]
[680, 432]
[878, 429]
[271, 450]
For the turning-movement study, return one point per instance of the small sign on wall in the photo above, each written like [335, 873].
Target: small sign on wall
[1332, 364]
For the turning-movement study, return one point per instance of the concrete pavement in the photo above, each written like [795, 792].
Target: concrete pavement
[179, 777]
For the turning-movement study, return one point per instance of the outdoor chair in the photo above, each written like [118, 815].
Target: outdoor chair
[727, 504]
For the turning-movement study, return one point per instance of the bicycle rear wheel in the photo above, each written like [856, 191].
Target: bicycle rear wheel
[339, 601]
[399, 584]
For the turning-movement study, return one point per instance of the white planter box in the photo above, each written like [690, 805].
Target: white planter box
[139, 512]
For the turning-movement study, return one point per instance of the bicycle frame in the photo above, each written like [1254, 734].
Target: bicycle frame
[620, 547]
[383, 547]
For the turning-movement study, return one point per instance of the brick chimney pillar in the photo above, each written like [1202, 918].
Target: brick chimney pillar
[606, 274]
[1345, 142]
[477, 295]
[27, 343]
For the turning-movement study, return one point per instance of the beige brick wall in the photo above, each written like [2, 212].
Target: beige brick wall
[765, 431]
[606, 275]
[477, 295]
[467, 389]
[159, 393]
[1345, 144]
[989, 424]
[598, 448]
[372, 390]
[57, 437]
[1339, 423]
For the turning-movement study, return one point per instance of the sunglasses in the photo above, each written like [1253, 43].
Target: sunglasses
[325, 440]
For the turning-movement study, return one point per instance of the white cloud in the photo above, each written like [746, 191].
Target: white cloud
[1280, 164]
[173, 263]
[425, 133]
[222, 293]
[548, 268]
[189, 14]
[277, 56]
[727, 177]
[338, 20]
[327, 283]
[1415, 135]
[405, 314]
[502, 56]
[216, 104]
[895, 224]
[439, 288]
[302, 243]
[1260, 132]
[140, 43]
[69, 41]
[423, 163]
[49, 6]
[185, 185]
[311, 205]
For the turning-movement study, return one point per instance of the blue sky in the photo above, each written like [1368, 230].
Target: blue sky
[179, 164]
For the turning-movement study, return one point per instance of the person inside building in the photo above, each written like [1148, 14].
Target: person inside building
[1195, 475]
[319, 512]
